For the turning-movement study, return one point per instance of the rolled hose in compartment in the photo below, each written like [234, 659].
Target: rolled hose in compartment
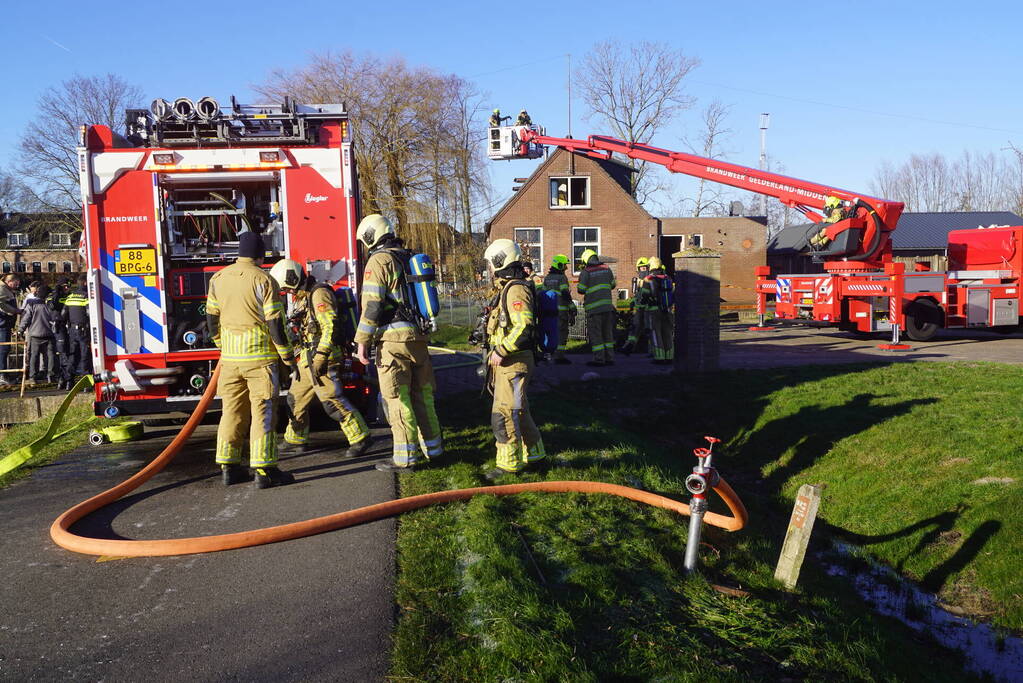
[59, 530]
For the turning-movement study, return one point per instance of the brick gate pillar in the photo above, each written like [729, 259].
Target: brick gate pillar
[697, 312]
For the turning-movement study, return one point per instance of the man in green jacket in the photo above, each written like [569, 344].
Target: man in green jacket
[596, 283]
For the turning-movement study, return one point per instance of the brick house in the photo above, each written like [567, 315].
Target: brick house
[38, 246]
[574, 202]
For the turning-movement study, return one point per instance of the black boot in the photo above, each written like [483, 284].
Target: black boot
[390, 466]
[234, 474]
[358, 448]
[267, 477]
[294, 448]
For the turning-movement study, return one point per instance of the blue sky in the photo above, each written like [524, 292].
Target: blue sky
[847, 84]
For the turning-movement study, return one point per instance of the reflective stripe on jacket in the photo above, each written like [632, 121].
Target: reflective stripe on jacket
[595, 284]
[382, 296]
[245, 298]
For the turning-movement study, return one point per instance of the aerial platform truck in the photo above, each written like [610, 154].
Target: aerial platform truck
[162, 210]
[862, 289]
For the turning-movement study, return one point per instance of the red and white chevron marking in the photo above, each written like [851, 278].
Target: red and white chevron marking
[865, 288]
[825, 290]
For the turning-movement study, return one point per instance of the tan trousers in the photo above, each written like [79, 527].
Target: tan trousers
[330, 392]
[248, 394]
[406, 384]
[518, 439]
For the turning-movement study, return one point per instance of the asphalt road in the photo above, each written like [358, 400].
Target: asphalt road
[318, 608]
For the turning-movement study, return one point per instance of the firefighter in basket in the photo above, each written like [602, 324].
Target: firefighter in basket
[321, 354]
[834, 211]
[394, 324]
[512, 335]
[246, 322]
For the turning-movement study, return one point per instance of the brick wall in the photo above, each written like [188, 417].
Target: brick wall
[11, 258]
[742, 243]
[627, 231]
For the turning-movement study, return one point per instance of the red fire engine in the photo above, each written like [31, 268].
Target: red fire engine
[162, 210]
[862, 288]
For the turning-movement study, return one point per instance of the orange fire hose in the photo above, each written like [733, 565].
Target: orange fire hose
[245, 539]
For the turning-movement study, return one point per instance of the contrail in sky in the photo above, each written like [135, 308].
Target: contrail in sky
[62, 47]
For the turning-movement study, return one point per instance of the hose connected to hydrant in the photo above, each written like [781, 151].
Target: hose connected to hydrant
[62, 536]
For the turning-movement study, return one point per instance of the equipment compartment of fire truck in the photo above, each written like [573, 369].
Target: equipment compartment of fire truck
[162, 210]
[862, 289]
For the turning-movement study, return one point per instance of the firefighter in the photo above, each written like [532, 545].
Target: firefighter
[512, 331]
[56, 303]
[246, 321]
[557, 281]
[596, 282]
[656, 294]
[833, 212]
[637, 326]
[321, 351]
[523, 119]
[75, 314]
[496, 119]
[8, 320]
[403, 359]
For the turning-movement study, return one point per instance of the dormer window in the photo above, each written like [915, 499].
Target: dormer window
[570, 192]
[60, 239]
[17, 239]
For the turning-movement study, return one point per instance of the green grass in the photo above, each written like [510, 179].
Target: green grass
[13, 438]
[570, 587]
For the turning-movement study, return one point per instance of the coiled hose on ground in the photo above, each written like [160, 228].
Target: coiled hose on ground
[59, 530]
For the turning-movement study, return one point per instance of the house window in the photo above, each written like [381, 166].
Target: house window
[583, 239]
[20, 267]
[68, 266]
[531, 241]
[692, 241]
[7, 267]
[17, 239]
[60, 239]
[51, 266]
[37, 267]
[570, 192]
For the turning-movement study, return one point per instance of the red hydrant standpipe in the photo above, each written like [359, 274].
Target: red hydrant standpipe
[62, 536]
[703, 477]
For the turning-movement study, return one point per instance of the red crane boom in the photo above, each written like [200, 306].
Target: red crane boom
[859, 242]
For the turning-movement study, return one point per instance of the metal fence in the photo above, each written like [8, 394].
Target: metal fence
[458, 310]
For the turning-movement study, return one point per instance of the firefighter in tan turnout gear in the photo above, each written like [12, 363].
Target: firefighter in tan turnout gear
[596, 283]
[512, 333]
[246, 321]
[403, 359]
[321, 352]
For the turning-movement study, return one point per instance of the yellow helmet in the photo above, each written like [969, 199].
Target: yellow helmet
[832, 202]
[655, 263]
[560, 261]
[587, 256]
[642, 262]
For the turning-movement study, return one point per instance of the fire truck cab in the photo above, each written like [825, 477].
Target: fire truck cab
[162, 210]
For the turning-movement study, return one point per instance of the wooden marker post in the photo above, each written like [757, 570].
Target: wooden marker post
[804, 512]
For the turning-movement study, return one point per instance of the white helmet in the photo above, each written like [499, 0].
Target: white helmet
[372, 229]
[502, 253]
[287, 273]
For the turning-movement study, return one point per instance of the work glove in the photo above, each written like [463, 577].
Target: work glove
[294, 372]
[319, 365]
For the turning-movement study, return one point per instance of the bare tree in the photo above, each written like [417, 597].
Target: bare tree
[48, 162]
[636, 90]
[10, 193]
[418, 137]
[710, 145]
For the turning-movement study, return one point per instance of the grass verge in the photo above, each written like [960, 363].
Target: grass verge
[14, 437]
[551, 587]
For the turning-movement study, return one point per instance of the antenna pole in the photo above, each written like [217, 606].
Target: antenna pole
[569, 55]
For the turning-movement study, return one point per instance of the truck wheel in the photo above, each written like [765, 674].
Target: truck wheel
[923, 319]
